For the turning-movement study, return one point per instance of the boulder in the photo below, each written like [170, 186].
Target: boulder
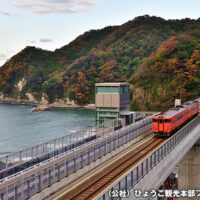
[42, 108]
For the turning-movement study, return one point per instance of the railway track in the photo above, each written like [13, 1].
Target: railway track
[96, 184]
[57, 195]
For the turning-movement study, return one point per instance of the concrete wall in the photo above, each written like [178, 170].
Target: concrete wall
[107, 100]
[159, 173]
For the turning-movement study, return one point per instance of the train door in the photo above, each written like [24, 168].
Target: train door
[199, 106]
[185, 117]
[190, 112]
[172, 123]
[155, 125]
[161, 125]
[167, 126]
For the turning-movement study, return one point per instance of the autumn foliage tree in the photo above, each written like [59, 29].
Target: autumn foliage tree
[166, 75]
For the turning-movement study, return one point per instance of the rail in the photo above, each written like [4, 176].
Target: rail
[89, 188]
[34, 179]
[129, 180]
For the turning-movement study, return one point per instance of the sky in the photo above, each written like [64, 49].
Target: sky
[51, 24]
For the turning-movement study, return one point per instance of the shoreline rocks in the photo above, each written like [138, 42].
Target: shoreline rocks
[18, 102]
[42, 108]
[49, 107]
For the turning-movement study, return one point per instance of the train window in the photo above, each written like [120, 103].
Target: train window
[155, 120]
[179, 117]
[161, 121]
[167, 120]
[194, 108]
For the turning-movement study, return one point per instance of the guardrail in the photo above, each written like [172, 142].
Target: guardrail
[52, 145]
[34, 179]
[130, 180]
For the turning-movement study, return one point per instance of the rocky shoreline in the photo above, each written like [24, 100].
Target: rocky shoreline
[49, 107]
[44, 107]
[19, 102]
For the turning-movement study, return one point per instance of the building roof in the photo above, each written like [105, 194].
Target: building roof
[112, 84]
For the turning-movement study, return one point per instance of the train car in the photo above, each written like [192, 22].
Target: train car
[192, 107]
[166, 123]
[198, 100]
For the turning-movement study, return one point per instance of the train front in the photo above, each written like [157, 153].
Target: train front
[161, 125]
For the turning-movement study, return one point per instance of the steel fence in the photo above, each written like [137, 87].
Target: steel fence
[130, 180]
[34, 179]
[52, 145]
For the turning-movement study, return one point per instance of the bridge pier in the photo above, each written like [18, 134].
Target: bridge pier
[189, 167]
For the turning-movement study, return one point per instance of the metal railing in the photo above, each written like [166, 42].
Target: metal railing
[130, 180]
[34, 179]
[52, 145]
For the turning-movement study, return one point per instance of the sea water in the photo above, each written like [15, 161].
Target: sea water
[21, 128]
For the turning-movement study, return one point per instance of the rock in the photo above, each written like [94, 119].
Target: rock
[90, 106]
[41, 108]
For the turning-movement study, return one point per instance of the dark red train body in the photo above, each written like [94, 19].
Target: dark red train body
[167, 122]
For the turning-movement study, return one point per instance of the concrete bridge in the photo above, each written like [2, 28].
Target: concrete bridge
[186, 154]
[183, 149]
[54, 174]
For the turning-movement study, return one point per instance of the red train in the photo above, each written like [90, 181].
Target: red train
[166, 123]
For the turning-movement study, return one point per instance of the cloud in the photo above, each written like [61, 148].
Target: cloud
[2, 56]
[54, 6]
[45, 40]
[6, 55]
[32, 41]
[3, 12]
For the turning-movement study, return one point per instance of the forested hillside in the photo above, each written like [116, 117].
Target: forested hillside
[173, 71]
[161, 58]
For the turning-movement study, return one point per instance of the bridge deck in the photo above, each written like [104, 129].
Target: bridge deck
[154, 169]
[129, 147]
[43, 175]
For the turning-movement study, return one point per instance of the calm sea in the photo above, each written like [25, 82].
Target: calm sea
[21, 128]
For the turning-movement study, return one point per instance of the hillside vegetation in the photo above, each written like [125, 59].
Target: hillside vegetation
[161, 58]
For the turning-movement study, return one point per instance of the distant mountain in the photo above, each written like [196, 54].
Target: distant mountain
[159, 57]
